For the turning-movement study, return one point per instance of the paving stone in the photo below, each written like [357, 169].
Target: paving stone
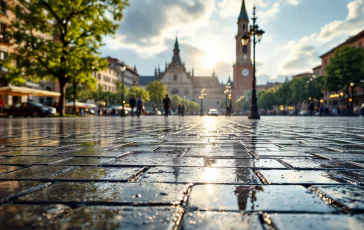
[11, 189]
[351, 176]
[268, 154]
[317, 222]
[98, 174]
[217, 152]
[92, 217]
[159, 161]
[220, 220]
[350, 197]
[86, 161]
[31, 160]
[30, 216]
[7, 169]
[307, 163]
[245, 163]
[36, 173]
[107, 193]
[340, 155]
[299, 177]
[273, 198]
[200, 175]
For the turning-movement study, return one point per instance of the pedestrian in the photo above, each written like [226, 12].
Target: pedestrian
[2, 104]
[312, 107]
[132, 103]
[166, 105]
[179, 110]
[183, 110]
[139, 105]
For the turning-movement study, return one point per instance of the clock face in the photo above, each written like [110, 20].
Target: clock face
[245, 72]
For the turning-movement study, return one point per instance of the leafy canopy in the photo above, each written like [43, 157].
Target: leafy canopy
[61, 39]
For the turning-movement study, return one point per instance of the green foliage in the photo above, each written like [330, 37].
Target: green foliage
[60, 39]
[157, 90]
[345, 71]
[137, 91]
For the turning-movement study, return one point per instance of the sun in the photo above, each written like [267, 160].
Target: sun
[209, 60]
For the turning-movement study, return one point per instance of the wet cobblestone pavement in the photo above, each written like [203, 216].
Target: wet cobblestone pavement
[191, 173]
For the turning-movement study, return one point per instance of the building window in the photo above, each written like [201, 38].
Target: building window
[245, 49]
[243, 26]
[3, 6]
[3, 36]
[325, 62]
[99, 76]
[359, 44]
[3, 55]
[17, 12]
[174, 91]
[175, 77]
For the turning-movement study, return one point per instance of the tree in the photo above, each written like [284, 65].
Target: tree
[175, 101]
[345, 70]
[60, 39]
[157, 90]
[138, 91]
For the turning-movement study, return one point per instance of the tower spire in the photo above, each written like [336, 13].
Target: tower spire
[176, 58]
[243, 13]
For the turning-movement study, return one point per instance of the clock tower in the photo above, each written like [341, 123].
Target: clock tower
[243, 68]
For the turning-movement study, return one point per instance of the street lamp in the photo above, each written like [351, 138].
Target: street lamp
[202, 96]
[122, 68]
[226, 92]
[257, 35]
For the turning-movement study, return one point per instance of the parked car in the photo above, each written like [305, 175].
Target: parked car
[213, 112]
[29, 109]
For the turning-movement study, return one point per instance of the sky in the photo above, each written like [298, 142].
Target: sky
[297, 32]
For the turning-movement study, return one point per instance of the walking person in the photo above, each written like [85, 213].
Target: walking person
[139, 105]
[312, 107]
[2, 104]
[132, 103]
[179, 110]
[183, 110]
[166, 105]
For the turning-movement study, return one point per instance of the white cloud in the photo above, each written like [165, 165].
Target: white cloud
[303, 55]
[268, 9]
[147, 24]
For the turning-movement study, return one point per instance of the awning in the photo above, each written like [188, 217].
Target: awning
[81, 105]
[23, 91]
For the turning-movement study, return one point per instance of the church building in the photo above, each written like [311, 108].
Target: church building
[184, 83]
[243, 67]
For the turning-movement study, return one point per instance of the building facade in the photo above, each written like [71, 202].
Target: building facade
[243, 67]
[184, 83]
[331, 97]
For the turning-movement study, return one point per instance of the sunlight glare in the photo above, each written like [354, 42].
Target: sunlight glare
[209, 60]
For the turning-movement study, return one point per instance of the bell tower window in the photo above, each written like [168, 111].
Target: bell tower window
[243, 26]
[245, 49]
[175, 77]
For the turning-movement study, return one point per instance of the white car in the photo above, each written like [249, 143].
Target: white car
[213, 112]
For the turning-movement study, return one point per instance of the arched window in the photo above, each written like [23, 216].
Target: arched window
[175, 91]
[175, 77]
[245, 49]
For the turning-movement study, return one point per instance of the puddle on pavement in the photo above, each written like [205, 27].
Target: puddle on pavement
[120, 193]
[36, 172]
[220, 220]
[200, 175]
[98, 173]
[352, 197]
[300, 177]
[316, 221]
[255, 198]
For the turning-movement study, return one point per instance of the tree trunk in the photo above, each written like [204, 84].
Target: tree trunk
[74, 97]
[61, 102]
